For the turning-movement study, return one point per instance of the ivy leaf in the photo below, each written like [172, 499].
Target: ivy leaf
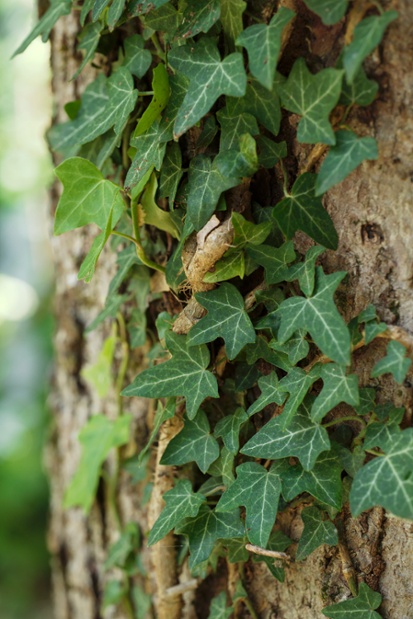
[231, 19]
[88, 41]
[261, 350]
[113, 593]
[338, 387]
[150, 150]
[161, 93]
[234, 165]
[181, 502]
[296, 347]
[162, 414]
[193, 444]
[296, 383]
[361, 607]
[205, 185]
[330, 11]
[305, 271]
[57, 9]
[229, 427]
[270, 152]
[263, 44]
[150, 212]
[361, 91]
[223, 467]
[207, 528]
[209, 79]
[273, 259]
[319, 316]
[380, 435]
[313, 97]
[395, 362]
[219, 608]
[143, 7]
[258, 490]
[261, 103]
[183, 375]
[302, 439]
[367, 35]
[87, 197]
[278, 542]
[248, 233]
[198, 17]
[323, 481]
[230, 266]
[98, 8]
[226, 318]
[302, 210]
[316, 532]
[233, 126]
[99, 375]
[171, 172]
[114, 13]
[97, 438]
[387, 480]
[119, 552]
[343, 158]
[137, 59]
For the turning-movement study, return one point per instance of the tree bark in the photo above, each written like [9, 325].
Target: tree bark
[372, 211]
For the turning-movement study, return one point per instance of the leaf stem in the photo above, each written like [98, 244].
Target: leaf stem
[158, 47]
[373, 452]
[346, 418]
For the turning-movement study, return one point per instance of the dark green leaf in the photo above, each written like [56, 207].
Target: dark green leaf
[137, 59]
[171, 173]
[219, 608]
[361, 91]
[273, 259]
[143, 7]
[297, 383]
[113, 593]
[229, 427]
[330, 11]
[305, 271]
[231, 19]
[270, 152]
[246, 232]
[395, 362]
[114, 13]
[380, 435]
[361, 607]
[88, 41]
[57, 9]
[261, 103]
[198, 17]
[338, 387]
[296, 347]
[234, 165]
[205, 185]
[316, 532]
[233, 126]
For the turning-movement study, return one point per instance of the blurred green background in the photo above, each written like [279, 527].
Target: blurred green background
[25, 316]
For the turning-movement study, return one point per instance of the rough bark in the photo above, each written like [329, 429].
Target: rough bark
[372, 210]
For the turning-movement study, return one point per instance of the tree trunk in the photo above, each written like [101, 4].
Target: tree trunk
[372, 213]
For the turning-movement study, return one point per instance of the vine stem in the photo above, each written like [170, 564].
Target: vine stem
[346, 418]
[264, 552]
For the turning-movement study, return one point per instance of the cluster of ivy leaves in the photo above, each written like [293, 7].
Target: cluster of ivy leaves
[191, 108]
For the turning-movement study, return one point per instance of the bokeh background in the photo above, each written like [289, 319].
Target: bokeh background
[26, 324]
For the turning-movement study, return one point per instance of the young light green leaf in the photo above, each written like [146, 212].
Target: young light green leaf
[171, 173]
[150, 212]
[305, 271]
[181, 502]
[183, 375]
[273, 259]
[161, 93]
[230, 266]
[261, 103]
[233, 126]
[231, 19]
[88, 41]
[209, 79]
[226, 318]
[313, 97]
[316, 532]
[319, 316]
[387, 480]
[395, 362]
[113, 593]
[258, 490]
[194, 443]
[219, 608]
[97, 438]
[302, 210]
[302, 439]
[338, 387]
[367, 35]
[248, 233]
[120, 551]
[263, 44]
[57, 9]
[100, 373]
[343, 158]
[330, 11]
[228, 429]
[297, 383]
[207, 528]
[87, 197]
[323, 481]
[137, 59]
[198, 17]
[361, 607]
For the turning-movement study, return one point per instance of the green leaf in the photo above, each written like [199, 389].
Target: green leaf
[270, 152]
[57, 9]
[261, 350]
[313, 97]
[209, 79]
[152, 215]
[137, 59]
[163, 413]
[171, 173]
[316, 532]
[205, 185]
[387, 480]
[305, 271]
[236, 551]
[150, 151]
[161, 92]
[88, 41]
[323, 482]
[246, 232]
[235, 165]
[198, 17]
[361, 607]
[296, 383]
[112, 305]
[98, 8]
[380, 435]
[261, 103]
[302, 439]
[208, 527]
[273, 259]
[99, 375]
[231, 19]
[229, 427]
[181, 502]
[106, 103]
[361, 91]
[88, 266]
[302, 210]
[193, 444]
[183, 375]
[343, 158]
[114, 592]
[219, 608]
[296, 347]
[230, 266]
[319, 316]
[97, 438]
[338, 387]
[258, 490]
[114, 13]
[330, 11]
[119, 551]
[367, 35]
[395, 362]
[223, 467]
[226, 318]
[233, 126]
[143, 7]
[263, 44]
[87, 197]
[278, 542]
